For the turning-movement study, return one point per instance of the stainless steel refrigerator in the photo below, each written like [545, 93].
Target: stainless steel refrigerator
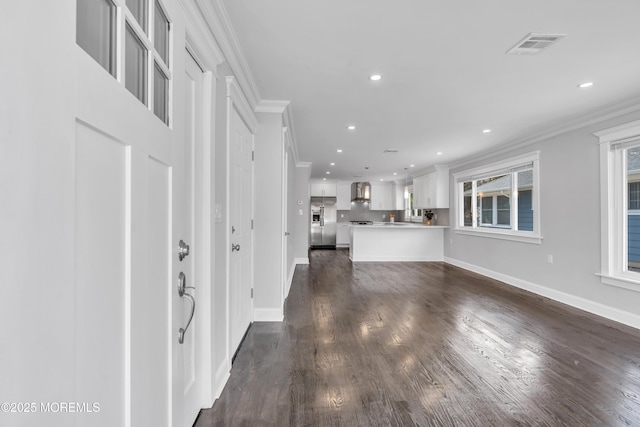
[323, 222]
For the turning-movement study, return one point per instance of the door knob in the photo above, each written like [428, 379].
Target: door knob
[183, 250]
[235, 247]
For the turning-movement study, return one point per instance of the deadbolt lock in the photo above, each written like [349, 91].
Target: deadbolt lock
[183, 250]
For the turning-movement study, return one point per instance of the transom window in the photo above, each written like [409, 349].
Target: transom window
[143, 66]
[500, 200]
[96, 31]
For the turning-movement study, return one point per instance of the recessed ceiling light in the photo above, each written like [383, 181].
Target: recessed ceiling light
[332, 164]
[585, 85]
[328, 172]
[375, 77]
[486, 130]
[395, 173]
[339, 150]
[381, 179]
[324, 179]
[411, 166]
[439, 153]
[351, 127]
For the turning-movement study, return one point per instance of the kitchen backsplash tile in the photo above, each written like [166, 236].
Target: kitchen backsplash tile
[361, 212]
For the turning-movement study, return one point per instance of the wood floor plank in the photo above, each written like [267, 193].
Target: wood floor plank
[427, 344]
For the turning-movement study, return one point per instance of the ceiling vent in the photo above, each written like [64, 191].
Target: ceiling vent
[534, 43]
[391, 150]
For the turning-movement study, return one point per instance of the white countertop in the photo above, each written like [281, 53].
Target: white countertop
[397, 225]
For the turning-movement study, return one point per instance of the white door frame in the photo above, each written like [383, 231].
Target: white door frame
[285, 221]
[208, 55]
[236, 100]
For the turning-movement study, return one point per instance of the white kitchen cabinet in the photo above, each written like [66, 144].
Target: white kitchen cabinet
[323, 189]
[344, 195]
[342, 234]
[381, 198]
[398, 197]
[431, 190]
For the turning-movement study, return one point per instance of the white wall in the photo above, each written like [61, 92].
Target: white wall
[268, 233]
[301, 223]
[570, 225]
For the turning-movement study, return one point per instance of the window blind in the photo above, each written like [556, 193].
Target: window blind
[625, 143]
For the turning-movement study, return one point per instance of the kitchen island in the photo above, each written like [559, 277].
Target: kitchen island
[400, 241]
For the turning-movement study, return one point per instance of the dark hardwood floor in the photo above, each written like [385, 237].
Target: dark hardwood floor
[428, 344]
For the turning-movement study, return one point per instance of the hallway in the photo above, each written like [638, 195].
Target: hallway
[402, 344]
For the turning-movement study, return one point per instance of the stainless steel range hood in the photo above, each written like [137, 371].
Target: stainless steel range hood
[360, 192]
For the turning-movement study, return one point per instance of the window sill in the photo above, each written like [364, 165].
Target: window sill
[621, 281]
[502, 235]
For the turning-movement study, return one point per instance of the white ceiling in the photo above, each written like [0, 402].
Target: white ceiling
[446, 76]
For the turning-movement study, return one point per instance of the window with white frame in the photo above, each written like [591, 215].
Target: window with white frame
[620, 209]
[96, 30]
[500, 200]
[413, 213]
[145, 57]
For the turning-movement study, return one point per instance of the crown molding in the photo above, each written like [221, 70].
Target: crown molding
[602, 115]
[220, 26]
[226, 42]
[239, 101]
[200, 40]
[272, 106]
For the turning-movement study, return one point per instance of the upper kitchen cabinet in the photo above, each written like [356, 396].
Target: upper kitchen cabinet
[344, 195]
[381, 198]
[323, 189]
[431, 190]
[398, 197]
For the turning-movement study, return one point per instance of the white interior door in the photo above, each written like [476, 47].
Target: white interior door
[188, 240]
[240, 215]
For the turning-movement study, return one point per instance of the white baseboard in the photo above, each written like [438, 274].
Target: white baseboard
[267, 315]
[301, 260]
[593, 307]
[220, 380]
